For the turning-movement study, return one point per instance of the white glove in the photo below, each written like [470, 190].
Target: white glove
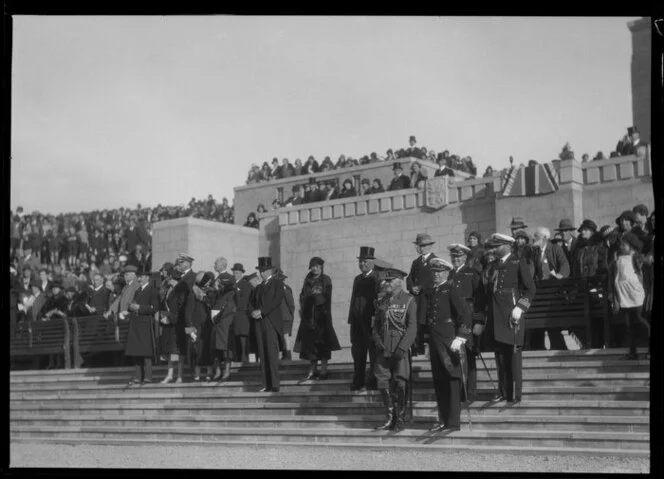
[457, 343]
[516, 313]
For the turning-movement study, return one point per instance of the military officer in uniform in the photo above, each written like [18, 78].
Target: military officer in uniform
[420, 283]
[394, 329]
[511, 289]
[362, 308]
[466, 281]
[448, 324]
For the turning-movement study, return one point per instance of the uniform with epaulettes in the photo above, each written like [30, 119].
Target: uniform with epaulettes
[510, 286]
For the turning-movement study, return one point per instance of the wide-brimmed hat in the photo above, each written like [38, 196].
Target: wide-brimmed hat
[238, 267]
[565, 225]
[423, 239]
[264, 263]
[626, 215]
[316, 260]
[366, 252]
[517, 222]
[588, 224]
[439, 264]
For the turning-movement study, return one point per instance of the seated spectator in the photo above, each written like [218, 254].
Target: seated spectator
[275, 170]
[329, 190]
[341, 162]
[373, 158]
[77, 303]
[35, 302]
[431, 156]
[585, 158]
[377, 186]
[307, 193]
[276, 204]
[316, 193]
[352, 162]
[418, 176]
[365, 186]
[265, 172]
[251, 222]
[297, 198]
[400, 181]
[413, 150]
[347, 190]
[311, 166]
[488, 172]
[138, 257]
[443, 169]
[614, 154]
[298, 169]
[390, 155]
[599, 156]
[364, 160]
[327, 164]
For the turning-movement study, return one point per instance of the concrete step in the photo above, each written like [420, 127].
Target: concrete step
[439, 447]
[149, 407]
[133, 394]
[624, 424]
[514, 438]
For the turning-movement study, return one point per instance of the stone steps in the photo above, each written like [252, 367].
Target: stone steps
[190, 434]
[624, 424]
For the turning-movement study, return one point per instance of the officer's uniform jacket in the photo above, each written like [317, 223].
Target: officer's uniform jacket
[422, 276]
[510, 285]
[467, 283]
[448, 317]
[395, 323]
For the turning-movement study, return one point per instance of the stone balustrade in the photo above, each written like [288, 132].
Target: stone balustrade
[616, 169]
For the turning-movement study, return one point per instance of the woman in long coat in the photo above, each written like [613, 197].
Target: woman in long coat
[173, 339]
[200, 349]
[316, 338]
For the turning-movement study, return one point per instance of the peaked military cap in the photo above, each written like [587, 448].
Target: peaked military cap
[439, 264]
[457, 249]
[498, 239]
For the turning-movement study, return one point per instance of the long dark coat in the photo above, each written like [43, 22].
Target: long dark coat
[200, 351]
[510, 285]
[362, 308]
[422, 276]
[241, 321]
[141, 338]
[316, 337]
[223, 337]
[173, 339]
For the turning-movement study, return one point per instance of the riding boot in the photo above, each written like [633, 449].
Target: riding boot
[389, 404]
[400, 407]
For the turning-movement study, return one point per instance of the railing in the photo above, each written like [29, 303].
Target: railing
[616, 169]
[95, 334]
[39, 338]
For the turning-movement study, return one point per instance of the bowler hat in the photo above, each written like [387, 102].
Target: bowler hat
[397, 166]
[589, 224]
[626, 215]
[517, 222]
[264, 263]
[316, 260]
[439, 264]
[238, 267]
[423, 239]
[565, 225]
[366, 252]
[457, 250]
[632, 240]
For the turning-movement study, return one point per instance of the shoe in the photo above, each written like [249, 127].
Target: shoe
[265, 390]
[146, 381]
[227, 371]
[208, 379]
[391, 413]
[166, 380]
[439, 426]
[323, 376]
[178, 381]
[515, 402]
[311, 376]
[451, 428]
[132, 382]
[498, 398]
[274, 390]
[197, 379]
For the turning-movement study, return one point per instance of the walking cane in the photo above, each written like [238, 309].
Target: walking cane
[463, 383]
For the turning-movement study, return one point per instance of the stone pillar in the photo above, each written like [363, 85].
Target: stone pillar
[641, 70]
[570, 195]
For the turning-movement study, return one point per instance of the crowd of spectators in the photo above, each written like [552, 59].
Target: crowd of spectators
[286, 169]
[67, 252]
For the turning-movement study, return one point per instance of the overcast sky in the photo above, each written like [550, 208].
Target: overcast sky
[115, 111]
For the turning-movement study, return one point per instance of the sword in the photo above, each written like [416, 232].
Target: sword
[487, 370]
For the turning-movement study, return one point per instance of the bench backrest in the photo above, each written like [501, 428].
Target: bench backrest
[43, 337]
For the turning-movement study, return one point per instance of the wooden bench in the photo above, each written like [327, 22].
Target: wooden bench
[95, 334]
[41, 338]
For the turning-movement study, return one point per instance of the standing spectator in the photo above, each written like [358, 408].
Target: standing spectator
[275, 170]
[390, 155]
[44, 283]
[443, 169]
[241, 320]
[29, 259]
[420, 283]
[413, 150]
[138, 258]
[418, 176]
[261, 208]
[221, 297]
[585, 158]
[400, 181]
[298, 169]
[311, 166]
[287, 315]
[341, 163]
[134, 235]
[377, 186]
[517, 224]
[98, 296]
[348, 190]
[316, 338]
[365, 186]
[287, 169]
[585, 260]
[633, 142]
[625, 222]
[203, 326]
[476, 257]
[83, 242]
[568, 230]
[251, 222]
[173, 340]
[265, 172]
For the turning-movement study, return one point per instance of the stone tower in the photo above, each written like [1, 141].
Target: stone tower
[641, 67]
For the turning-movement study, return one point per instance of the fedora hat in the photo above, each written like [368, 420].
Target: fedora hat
[517, 222]
[423, 239]
[565, 225]
[589, 224]
[366, 252]
[264, 263]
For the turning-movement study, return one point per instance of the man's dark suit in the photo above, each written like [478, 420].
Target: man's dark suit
[99, 300]
[421, 275]
[267, 299]
[401, 182]
[362, 308]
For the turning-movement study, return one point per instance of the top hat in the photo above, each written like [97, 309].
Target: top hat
[423, 239]
[264, 263]
[626, 215]
[589, 224]
[631, 130]
[412, 138]
[238, 267]
[366, 252]
[316, 260]
[457, 250]
[397, 166]
[439, 264]
[517, 222]
[565, 225]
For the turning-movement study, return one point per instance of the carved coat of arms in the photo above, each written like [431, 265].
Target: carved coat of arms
[435, 192]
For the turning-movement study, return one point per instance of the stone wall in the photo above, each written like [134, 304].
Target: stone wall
[205, 241]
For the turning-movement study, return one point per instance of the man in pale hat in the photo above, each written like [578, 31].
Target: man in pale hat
[266, 311]
[511, 290]
[394, 329]
[362, 308]
[400, 181]
[466, 282]
[420, 283]
[448, 323]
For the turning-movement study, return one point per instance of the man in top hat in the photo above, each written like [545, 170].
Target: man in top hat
[420, 283]
[630, 147]
[511, 289]
[568, 230]
[450, 337]
[394, 329]
[141, 344]
[466, 282]
[362, 308]
[241, 321]
[267, 313]
[413, 150]
[400, 181]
